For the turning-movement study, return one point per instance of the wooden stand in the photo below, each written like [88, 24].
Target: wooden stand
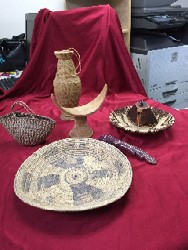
[80, 113]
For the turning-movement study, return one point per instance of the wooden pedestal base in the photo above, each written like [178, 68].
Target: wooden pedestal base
[81, 128]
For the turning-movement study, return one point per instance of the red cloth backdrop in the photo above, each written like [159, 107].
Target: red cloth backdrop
[153, 213]
[95, 34]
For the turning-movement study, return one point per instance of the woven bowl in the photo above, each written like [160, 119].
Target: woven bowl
[27, 128]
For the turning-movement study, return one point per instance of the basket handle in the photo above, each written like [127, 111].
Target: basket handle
[23, 104]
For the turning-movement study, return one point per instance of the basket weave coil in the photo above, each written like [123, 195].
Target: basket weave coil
[27, 128]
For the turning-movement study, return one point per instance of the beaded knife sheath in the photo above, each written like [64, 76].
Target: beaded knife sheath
[130, 148]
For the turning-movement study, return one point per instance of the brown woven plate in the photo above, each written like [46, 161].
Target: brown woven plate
[119, 119]
[73, 175]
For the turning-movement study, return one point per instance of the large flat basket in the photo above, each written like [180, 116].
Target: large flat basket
[73, 175]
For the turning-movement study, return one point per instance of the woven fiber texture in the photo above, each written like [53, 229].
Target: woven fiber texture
[27, 128]
[73, 175]
[67, 84]
[120, 119]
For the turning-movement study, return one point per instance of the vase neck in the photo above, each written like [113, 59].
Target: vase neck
[64, 54]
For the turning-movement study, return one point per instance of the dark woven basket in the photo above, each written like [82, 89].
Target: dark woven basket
[27, 128]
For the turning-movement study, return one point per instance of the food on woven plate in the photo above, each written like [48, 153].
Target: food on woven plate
[151, 120]
[142, 114]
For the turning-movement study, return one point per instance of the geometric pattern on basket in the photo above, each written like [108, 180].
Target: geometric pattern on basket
[73, 174]
[27, 129]
[120, 119]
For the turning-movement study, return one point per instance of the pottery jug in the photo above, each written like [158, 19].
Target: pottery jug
[67, 84]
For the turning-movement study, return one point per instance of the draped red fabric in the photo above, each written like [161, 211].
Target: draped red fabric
[95, 34]
[153, 213]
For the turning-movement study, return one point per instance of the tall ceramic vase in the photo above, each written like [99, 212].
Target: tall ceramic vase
[67, 84]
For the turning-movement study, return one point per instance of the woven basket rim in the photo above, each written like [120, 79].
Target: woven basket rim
[17, 114]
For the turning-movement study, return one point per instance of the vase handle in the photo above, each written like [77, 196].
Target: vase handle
[77, 55]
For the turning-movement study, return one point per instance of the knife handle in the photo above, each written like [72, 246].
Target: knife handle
[130, 148]
[138, 152]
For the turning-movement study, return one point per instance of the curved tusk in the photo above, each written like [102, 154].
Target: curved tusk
[90, 107]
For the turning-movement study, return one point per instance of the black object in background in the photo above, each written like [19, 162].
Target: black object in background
[29, 25]
[13, 53]
[7, 83]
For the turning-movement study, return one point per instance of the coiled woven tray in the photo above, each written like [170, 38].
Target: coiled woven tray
[73, 175]
[120, 119]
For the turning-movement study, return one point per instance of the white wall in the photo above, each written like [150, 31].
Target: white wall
[183, 3]
[12, 14]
